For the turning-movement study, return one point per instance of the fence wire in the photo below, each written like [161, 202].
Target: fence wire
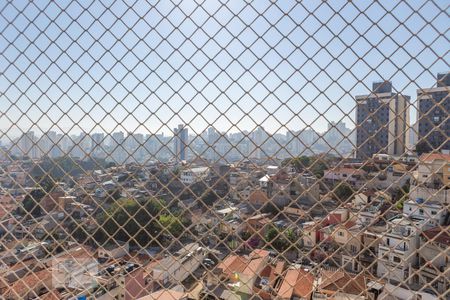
[224, 150]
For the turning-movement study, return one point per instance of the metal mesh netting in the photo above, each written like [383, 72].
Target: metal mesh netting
[224, 149]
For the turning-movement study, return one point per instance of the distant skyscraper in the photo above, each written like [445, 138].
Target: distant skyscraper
[434, 108]
[180, 142]
[382, 119]
[118, 153]
[26, 145]
[97, 144]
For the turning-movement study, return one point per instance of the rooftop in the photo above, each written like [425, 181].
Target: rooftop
[296, 282]
[438, 235]
[430, 157]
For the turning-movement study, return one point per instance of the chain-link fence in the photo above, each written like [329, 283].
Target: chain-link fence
[224, 149]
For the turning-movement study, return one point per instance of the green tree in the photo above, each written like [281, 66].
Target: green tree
[423, 147]
[129, 220]
[343, 191]
[209, 198]
[171, 224]
[318, 167]
[280, 240]
[31, 203]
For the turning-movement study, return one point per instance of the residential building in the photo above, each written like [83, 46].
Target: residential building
[180, 142]
[178, 266]
[422, 209]
[397, 249]
[354, 177]
[434, 109]
[239, 275]
[433, 170]
[296, 284]
[382, 119]
[169, 294]
[433, 265]
[340, 285]
[193, 175]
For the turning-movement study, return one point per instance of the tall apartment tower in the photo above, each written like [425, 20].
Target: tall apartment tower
[180, 142]
[434, 109]
[382, 119]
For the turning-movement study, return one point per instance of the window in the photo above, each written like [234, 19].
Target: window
[421, 211]
[396, 259]
[340, 233]
[433, 212]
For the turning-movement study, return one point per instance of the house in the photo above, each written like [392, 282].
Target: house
[340, 285]
[348, 237]
[31, 286]
[258, 198]
[433, 266]
[397, 249]
[168, 294]
[112, 251]
[267, 283]
[421, 209]
[354, 177]
[177, 267]
[239, 273]
[311, 234]
[390, 291]
[70, 267]
[434, 170]
[121, 282]
[193, 175]
[258, 224]
[296, 284]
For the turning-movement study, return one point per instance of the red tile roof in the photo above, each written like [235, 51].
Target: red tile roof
[430, 157]
[438, 235]
[338, 281]
[296, 282]
[31, 282]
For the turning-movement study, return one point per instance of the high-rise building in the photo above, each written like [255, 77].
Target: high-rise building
[180, 142]
[26, 145]
[382, 119]
[118, 153]
[97, 148]
[434, 108]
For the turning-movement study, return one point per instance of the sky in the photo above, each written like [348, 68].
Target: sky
[146, 66]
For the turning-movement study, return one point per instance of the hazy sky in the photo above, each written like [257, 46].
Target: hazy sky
[145, 63]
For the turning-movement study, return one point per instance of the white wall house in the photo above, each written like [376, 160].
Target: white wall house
[397, 250]
[422, 209]
[193, 175]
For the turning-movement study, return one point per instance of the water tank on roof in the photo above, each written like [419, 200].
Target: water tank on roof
[420, 200]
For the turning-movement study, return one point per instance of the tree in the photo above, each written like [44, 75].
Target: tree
[171, 224]
[343, 191]
[31, 203]
[300, 163]
[318, 168]
[280, 240]
[209, 198]
[423, 147]
[129, 220]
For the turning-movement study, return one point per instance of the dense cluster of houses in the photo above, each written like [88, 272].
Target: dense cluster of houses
[365, 247]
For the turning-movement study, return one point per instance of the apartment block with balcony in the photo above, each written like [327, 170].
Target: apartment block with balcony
[397, 249]
[382, 118]
[434, 108]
